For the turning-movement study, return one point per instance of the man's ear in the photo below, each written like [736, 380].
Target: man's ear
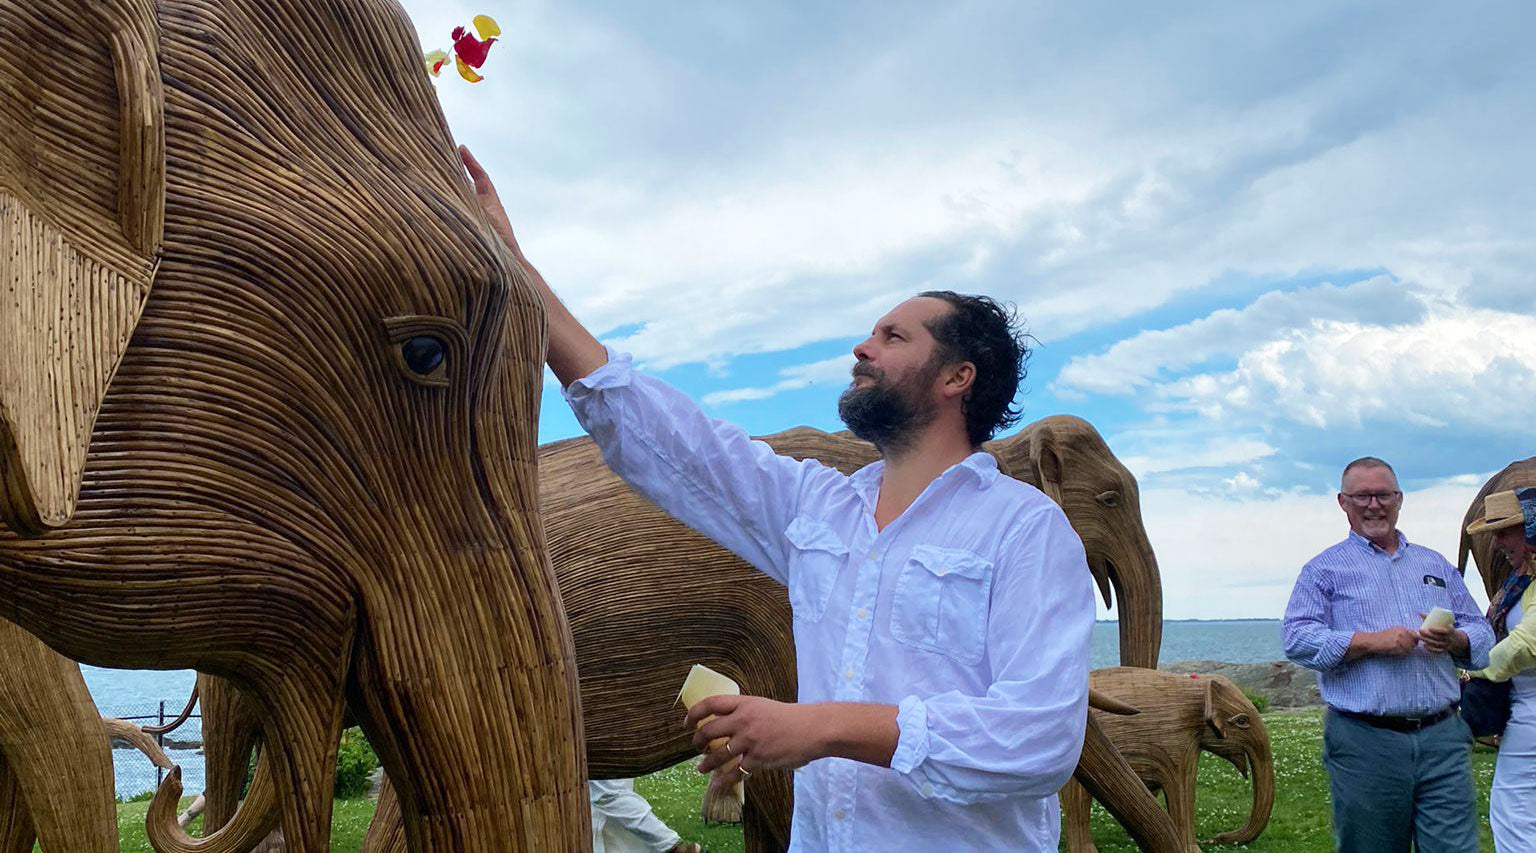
[959, 379]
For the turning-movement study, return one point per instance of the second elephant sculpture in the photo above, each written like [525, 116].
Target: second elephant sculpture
[647, 597]
[1180, 716]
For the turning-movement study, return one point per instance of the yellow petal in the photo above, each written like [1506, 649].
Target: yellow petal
[486, 26]
[466, 72]
[434, 60]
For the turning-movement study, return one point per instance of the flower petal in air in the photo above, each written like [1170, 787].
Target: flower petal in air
[435, 59]
[466, 72]
[485, 25]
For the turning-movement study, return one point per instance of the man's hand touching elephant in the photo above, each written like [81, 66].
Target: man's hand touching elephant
[755, 733]
[573, 352]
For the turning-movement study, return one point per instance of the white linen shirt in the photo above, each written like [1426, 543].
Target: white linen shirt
[971, 612]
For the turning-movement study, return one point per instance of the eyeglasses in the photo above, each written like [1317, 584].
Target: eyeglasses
[1363, 499]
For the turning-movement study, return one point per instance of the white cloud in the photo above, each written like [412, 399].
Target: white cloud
[1148, 356]
[834, 369]
[1458, 366]
[1242, 483]
[1173, 454]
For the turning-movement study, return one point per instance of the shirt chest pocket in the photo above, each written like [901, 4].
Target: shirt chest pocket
[941, 602]
[1433, 593]
[816, 556]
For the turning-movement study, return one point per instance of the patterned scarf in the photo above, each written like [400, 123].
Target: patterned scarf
[1505, 601]
[1514, 585]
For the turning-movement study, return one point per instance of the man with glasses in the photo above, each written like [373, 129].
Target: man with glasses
[1396, 751]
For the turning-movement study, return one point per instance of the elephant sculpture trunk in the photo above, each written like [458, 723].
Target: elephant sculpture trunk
[1140, 625]
[1258, 764]
[1066, 458]
[451, 700]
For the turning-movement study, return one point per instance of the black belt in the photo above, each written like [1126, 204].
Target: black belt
[1398, 724]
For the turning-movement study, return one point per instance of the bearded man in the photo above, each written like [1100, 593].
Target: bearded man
[942, 611]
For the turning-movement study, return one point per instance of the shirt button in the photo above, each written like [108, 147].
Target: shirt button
[928, 789]
[848, 675]
[874, 555]
[863, 614]
[840, 814]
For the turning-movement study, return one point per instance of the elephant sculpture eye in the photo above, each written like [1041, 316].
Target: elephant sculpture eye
[426, 349]
[1241, 721]
[424, 354]
[1110, 498]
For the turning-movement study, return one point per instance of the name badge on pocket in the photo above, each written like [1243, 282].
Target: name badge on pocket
[1431, 580]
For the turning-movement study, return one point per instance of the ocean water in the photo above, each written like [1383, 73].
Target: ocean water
[138, 693]
[1233, 641]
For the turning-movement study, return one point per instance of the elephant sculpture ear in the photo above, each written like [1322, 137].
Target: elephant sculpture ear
[1210, 711]
[82, 209]
[1049, 472]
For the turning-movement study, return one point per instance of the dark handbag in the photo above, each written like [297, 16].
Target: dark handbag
[1485, 706]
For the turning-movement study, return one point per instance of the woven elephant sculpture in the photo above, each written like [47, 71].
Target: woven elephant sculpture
[647, 597]
[1180, 715]
[268, 395]
[1491, 564]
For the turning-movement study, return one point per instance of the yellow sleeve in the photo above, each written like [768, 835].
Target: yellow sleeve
[1517, 651]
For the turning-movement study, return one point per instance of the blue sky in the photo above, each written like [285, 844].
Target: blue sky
[1254, 240]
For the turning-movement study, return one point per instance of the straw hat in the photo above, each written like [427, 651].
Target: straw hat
[1500, 510]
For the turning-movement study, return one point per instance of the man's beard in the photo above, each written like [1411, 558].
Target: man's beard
[889, 416]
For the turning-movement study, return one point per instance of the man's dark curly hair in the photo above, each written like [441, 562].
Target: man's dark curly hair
[980, 330]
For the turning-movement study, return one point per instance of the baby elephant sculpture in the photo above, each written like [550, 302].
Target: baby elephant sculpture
[1180, 715]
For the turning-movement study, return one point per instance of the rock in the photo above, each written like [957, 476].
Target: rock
[1283, 683]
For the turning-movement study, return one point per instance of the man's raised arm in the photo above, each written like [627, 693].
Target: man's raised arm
[574, 352]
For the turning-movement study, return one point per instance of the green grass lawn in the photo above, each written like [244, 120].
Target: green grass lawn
[1300, 821]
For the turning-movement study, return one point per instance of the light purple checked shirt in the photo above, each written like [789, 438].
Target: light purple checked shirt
[971, 612]
[1357, 586]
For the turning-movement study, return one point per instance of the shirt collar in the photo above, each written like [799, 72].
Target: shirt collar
[981, 465]
[1402, 541]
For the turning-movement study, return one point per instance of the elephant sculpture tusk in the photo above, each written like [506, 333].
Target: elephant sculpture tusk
[138, 739]
[257, 816]
[1109, 704]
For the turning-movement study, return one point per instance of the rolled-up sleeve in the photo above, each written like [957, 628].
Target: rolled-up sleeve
[708, 474]
[1309, 638]
[1023, 737]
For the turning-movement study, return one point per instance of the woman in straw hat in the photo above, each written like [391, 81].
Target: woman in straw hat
[1511, 518]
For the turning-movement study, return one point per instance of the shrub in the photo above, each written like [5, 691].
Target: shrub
[355, 762]
[1259, 700]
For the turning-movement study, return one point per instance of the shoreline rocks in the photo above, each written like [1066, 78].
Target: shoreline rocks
[1283, 683]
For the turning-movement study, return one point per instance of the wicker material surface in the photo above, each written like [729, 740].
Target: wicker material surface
[257, 482]
[1180, 716]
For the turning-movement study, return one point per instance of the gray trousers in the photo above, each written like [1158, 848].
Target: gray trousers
[1393, 791]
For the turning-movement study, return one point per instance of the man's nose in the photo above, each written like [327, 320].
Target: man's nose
[862, 350]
